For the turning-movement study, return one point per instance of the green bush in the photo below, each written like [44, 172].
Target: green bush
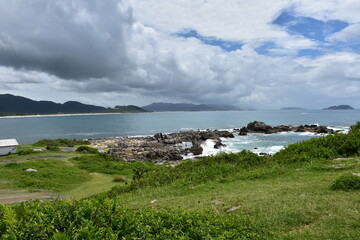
[87, 149]
[355, 128]
[315, 149]
[119, 179]
[105, 219]
[25, 151]
[60, 142]
[107, 164]
[207, 169]
[53, 149]
[346, 182]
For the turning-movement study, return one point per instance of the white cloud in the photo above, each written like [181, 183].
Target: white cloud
[350, 33]
[345, 10]
[117, 52]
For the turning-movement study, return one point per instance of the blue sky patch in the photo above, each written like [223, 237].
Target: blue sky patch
[227, 46]
[309, 27]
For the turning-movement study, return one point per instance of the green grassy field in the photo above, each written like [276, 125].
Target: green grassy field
[289, 195]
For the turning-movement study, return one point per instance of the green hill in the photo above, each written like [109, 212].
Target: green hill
[17, 105]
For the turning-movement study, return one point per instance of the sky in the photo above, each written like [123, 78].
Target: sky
[248, 53]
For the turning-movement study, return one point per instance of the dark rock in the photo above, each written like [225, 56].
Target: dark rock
[208, 135]
[196, 149]
[242, 133]
[159, 137]
[219, 144]
[225, 134]
[258, 127]
[301, 128]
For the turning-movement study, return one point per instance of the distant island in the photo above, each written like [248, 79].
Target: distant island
[11, 105]
[292, 108]
[163, 107]
[339, 107]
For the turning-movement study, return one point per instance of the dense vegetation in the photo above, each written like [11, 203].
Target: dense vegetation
[60, 142]
[125, 109]
[105, 219]
[297, 193]
[11, 105]
[346, 182]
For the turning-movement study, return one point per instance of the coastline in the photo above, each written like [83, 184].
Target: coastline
[64, 115]
[110, 113]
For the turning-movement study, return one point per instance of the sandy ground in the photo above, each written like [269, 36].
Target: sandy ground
[8, 196]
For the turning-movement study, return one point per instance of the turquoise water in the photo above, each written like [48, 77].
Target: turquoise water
[30, 129]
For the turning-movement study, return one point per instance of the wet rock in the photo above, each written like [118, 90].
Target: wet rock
[169, 147]
[196, 149]
[159, 137]
[218, 144]
[258, 127]
[225, 134]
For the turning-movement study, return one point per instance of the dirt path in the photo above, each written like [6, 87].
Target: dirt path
[36, 157]
[8, 196]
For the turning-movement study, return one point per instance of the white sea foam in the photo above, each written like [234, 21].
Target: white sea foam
[208, 148]
[342, 129]
[307, 133]
[268, 150]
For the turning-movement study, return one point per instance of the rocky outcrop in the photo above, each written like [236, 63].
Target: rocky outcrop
[261, 127]
[169, 147]
[173, 146]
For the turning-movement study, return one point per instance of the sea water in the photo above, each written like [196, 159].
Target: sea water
[31, 129]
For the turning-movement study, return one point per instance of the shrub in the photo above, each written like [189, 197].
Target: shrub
[53, 149]
[328, 147]
[346, 182]
[105, 219]
[60, 142]
[25, 151]
[87, 149]
[207, 169]
[355, 128]
[119, 179]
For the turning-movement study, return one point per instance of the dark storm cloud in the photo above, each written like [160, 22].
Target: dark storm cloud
[98, 48]
[70, 39]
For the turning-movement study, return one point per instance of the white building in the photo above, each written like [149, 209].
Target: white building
[8, 146]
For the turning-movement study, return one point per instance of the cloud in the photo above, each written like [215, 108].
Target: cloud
[350, 33]
[103, 52]
[70, 39]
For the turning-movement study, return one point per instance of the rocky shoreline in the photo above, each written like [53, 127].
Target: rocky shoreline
[172, 147]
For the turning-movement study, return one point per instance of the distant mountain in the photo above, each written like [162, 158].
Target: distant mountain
[292, 108]
[126, 109]
[15, 105]
[339, 107]
[159, 107]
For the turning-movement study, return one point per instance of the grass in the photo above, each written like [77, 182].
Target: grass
[60, 142]
[229, 196]
[295, 205]
[97, 184]
[53, 175]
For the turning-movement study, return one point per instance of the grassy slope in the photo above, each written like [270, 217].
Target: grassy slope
[287, 196]
[298, 204]
[97, 184]
[71, 174]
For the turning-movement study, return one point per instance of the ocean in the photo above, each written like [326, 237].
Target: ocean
[30, 129]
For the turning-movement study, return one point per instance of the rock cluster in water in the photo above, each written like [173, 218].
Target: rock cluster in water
[173, 146]
[261, 127]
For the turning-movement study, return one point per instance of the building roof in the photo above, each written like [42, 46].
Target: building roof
[8, 142]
